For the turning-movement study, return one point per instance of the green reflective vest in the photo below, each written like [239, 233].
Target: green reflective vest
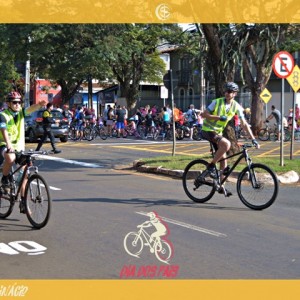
[15, 130]
[220, 110]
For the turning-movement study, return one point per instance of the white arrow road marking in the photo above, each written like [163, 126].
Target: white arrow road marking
[186, 225]
[69, 161]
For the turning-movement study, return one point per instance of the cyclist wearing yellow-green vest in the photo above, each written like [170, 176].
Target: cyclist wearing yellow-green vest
[12, 133]
[216, 117]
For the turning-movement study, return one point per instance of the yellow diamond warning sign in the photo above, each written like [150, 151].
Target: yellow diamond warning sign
[294, 79]
[265, 95]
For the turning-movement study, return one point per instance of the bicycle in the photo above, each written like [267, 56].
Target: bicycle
[37, 193]
[271, 134]
[72, 131]
[257, 185]
[148, 131]
[134, 244]
[99, 130]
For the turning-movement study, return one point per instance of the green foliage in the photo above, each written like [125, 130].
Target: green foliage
[179, 162]
[7, 65]
[131, 53]
[69, 53]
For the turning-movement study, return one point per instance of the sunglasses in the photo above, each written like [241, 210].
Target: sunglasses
[228, 91]
[16, 102]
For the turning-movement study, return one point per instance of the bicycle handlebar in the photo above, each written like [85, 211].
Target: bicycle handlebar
[31, 152]
[22, 157]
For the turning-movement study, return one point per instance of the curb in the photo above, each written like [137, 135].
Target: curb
[289, 177]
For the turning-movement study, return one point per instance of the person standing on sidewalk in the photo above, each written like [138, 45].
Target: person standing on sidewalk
[120, 118]
[47, 121]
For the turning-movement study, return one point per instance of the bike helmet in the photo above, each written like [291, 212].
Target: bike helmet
[13, 95]
[231, 86]
[152, 215]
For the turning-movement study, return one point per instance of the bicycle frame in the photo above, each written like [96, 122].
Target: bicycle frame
[242, 154]
[146, 236]
[26, 172]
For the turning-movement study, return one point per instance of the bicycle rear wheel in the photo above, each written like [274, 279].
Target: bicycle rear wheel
[263, 134]
[6, 206]
[197, 189]
[258, 187]
[133, 244]
[37, 201]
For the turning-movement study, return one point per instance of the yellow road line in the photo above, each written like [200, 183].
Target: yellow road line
[152, 176]
[268, 152]
[155, 150]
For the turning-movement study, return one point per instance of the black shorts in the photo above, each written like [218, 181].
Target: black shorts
[212, 137]
[2, 149]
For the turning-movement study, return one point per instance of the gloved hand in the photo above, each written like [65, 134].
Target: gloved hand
[223, 118]
[255, 143]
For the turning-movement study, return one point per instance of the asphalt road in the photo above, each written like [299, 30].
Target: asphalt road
[96, 204]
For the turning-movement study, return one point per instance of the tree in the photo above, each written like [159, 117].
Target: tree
[64, 53]
[131, 52]
[8, 71]
[249, 48]
[69, 53]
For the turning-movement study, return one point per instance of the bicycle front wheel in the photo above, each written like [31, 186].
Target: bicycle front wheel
[197, 189]
[287, 135]
[72, 133]
[37, 201]
[6, 206]
[163, 251]
[133, 244]
[88, 134]
[263, 134]
[257, 187]
[102, 133]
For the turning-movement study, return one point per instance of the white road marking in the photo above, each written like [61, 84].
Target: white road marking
[186, 225]
[69, 161]
[50, 187]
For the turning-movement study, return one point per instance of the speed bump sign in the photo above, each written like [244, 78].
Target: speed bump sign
[265, 95]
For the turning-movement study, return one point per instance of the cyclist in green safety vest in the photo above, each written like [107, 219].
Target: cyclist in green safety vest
[216, 117]
[12, 135]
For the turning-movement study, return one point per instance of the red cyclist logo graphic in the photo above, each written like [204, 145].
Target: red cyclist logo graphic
[134, 242]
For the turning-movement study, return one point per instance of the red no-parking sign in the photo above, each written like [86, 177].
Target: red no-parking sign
[283, 64]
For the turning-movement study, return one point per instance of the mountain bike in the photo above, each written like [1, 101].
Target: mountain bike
[271, 134]
[134, 243]
[257, 185]
[37, 194]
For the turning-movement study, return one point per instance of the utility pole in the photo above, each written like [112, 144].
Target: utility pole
[27, 79]
[90, 92]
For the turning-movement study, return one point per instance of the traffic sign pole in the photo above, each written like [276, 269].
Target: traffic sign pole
[283, 65]
[294, 81]
[282, 130]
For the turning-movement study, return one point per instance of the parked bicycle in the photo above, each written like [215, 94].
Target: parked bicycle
[148, 132]
[257, 185]
[37, 194]
[271, 133]
[134, 243]
[99, 130]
